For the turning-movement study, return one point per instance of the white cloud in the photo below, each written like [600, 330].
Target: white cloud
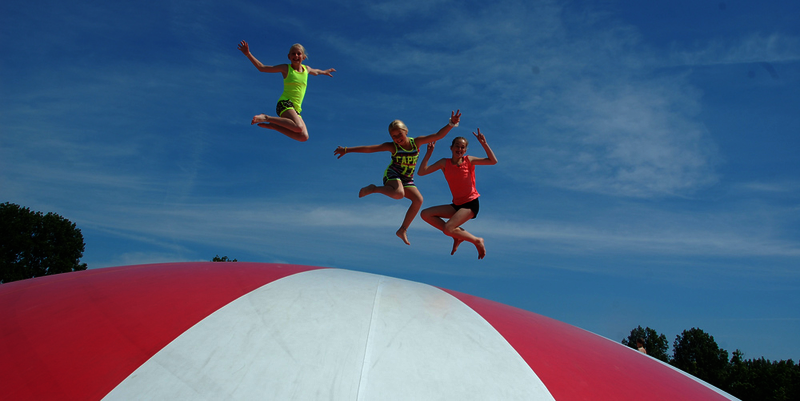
[626, 138]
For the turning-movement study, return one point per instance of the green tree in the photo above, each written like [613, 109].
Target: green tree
[656, 344]
[223, 259]
[760, 379]
[33, 244]
[695, 352]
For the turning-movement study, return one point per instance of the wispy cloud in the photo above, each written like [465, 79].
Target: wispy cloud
[683, 238]
[787, 187]
[637, 231]
[754, 48]
[629, 139]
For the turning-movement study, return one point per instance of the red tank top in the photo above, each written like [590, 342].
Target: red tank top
[461, 180]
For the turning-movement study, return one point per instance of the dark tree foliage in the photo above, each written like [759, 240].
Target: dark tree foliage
[222, 259]
[33, 244]
[656, 344]
[696, 353]
[760, 379]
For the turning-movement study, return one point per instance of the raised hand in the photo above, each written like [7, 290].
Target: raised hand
[455, 117]
[244, 47]
[481, 138]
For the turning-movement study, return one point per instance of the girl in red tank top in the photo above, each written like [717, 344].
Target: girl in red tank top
[459, 171]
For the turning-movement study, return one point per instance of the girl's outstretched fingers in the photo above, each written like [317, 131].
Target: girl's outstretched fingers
[455, 117]
[481, 138]
[244, 47]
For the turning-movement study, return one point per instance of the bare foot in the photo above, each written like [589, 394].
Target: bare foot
[369, 189]
[481, 248]
[456, 243]
[261, 118]
[401, 232]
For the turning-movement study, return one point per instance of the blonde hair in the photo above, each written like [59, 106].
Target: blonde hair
[302, 49]
[397, 124]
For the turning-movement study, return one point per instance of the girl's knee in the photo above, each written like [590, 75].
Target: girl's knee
[450, 229]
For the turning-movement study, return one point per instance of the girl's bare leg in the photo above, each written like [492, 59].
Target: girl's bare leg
[453, 229]
[289, 123]
[435, 216]
[392, 189]
[415, 196]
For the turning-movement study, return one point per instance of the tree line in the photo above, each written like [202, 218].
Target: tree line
[695, 352]
[33, 244]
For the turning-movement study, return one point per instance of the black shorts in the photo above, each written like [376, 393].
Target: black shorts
[473, 205]
[284, 105]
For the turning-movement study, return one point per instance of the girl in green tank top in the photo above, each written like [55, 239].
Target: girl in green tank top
[295, 77]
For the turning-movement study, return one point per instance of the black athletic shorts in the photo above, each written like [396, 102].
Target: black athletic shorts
[473, 205]
[284, 105]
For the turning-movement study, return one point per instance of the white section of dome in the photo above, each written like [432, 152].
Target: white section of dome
[338, 335]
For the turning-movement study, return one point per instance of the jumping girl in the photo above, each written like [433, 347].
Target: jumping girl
[295, 79]
[459, 171]
[398, 179]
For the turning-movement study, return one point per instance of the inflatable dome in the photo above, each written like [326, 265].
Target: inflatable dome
[213, 331]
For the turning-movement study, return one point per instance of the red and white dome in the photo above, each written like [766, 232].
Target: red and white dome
[189, 331]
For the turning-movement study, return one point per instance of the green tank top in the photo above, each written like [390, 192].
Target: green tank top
[294, 87]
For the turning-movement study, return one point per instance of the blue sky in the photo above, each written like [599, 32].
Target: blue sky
[648, 171]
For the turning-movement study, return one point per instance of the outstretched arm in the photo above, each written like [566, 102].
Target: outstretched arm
[245, 48]
[384, 147]
[423, 168]
[455, 117]
[491, 159]
[314, 71]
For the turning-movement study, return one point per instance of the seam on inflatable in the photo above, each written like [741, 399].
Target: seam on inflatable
[368, 346]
